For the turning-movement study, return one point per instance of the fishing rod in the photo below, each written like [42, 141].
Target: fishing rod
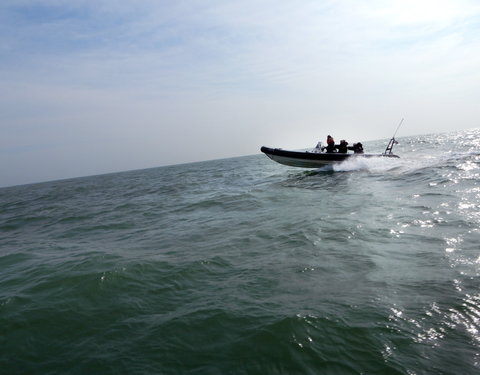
[392, 141]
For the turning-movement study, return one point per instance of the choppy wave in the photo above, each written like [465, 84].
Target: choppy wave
[246, 266]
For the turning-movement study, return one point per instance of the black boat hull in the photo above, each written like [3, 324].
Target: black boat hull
[305, 159]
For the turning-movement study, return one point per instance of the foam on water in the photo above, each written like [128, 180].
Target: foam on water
[375, 165]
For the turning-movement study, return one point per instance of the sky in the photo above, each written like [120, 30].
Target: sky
[92, 87]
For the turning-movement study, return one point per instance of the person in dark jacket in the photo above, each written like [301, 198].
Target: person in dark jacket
[357, 148]
[342, 147]
[330, 144]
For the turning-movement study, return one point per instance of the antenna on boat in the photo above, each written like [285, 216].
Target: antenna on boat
[392, 142]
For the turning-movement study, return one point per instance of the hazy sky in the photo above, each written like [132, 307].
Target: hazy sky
[89, 87]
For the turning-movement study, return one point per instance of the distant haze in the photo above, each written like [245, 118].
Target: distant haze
[90, 87]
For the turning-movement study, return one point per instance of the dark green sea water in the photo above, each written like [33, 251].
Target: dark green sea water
[244, 266]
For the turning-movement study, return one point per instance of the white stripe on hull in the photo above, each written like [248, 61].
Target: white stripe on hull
[295, 162]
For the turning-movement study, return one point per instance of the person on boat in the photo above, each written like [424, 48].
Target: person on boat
[357, 148]
[330, 144]
[342, 147]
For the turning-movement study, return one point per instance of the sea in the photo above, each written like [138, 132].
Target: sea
[246, 266]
